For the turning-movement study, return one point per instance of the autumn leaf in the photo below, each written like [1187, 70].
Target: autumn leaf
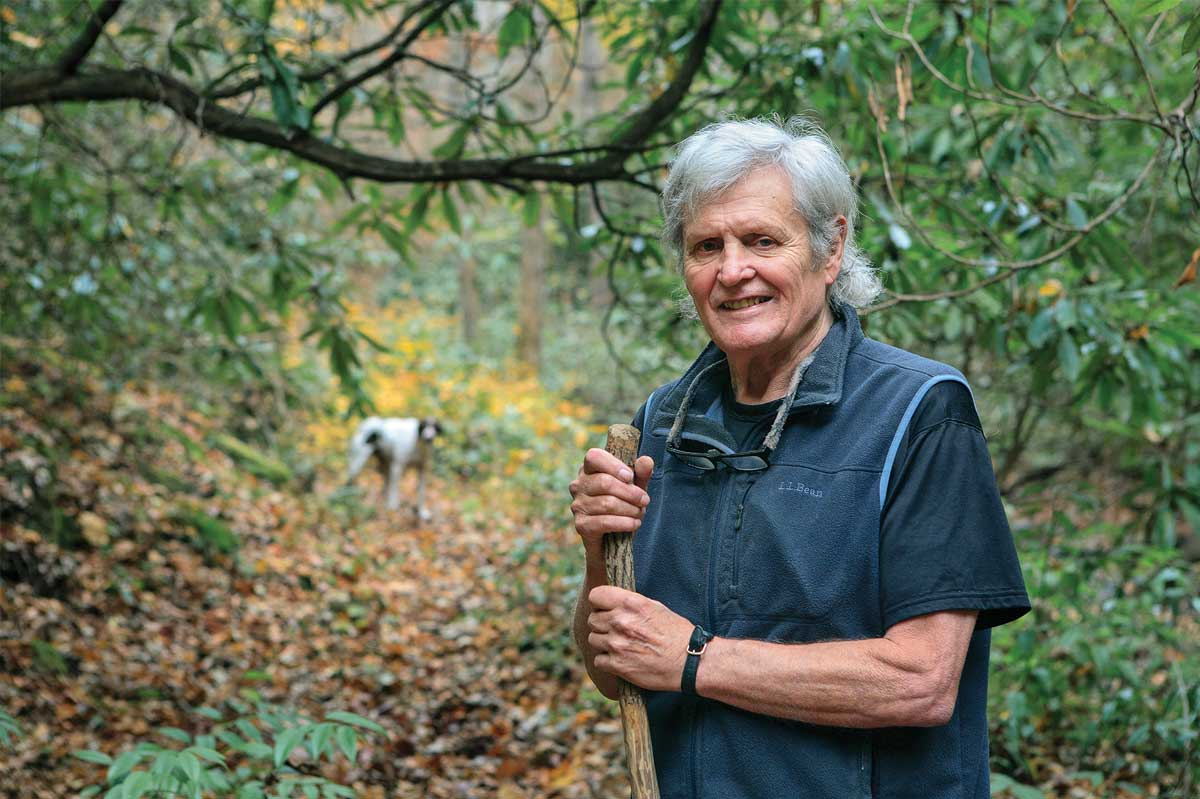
[1051, 288]
[1189, 272]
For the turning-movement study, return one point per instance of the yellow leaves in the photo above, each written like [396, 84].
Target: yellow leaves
[32, 42]
[14, 385]
[516, 459]
[7, 15]
[501, 423]
[1051, 288]
[1139, 333]
[1189, 271]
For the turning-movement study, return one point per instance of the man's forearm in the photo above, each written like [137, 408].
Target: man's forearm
[593, 576]
[907, 678]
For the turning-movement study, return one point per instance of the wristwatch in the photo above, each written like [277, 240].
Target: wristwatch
[696, 646]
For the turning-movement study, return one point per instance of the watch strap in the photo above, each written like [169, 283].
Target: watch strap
[696, 646]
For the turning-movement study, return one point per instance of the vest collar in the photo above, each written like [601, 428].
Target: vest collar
[822, 383]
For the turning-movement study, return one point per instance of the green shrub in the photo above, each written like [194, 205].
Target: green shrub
[1104, 673]
[244, 756]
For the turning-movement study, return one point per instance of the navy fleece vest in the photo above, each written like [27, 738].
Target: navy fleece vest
[791, 554]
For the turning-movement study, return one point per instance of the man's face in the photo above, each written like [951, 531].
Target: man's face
[748, 265]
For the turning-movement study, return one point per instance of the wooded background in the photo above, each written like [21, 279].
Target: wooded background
[233, 228]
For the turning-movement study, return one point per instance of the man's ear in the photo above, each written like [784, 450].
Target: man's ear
[837, 248]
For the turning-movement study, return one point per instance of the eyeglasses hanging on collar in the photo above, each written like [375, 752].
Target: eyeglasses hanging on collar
[703, 456]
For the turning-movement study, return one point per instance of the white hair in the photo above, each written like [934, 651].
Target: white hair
[715, 158]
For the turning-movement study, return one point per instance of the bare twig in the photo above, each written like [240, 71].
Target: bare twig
[1010, 97]
[398, 53]
[1137, 55]
[1080, 232]
[1005, 269]
[314, 75]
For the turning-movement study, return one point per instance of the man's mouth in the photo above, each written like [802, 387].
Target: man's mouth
[737, 305]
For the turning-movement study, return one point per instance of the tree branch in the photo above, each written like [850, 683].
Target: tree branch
[1004, 269]
[645, 123]
[1009, 97]
[50, 85]
[78, 50]
[319, 73]
[47, 85]
[398, 53]
[1079, 233]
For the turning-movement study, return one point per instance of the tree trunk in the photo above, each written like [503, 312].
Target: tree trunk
[535, 251]
[468, 301]
[592, 60]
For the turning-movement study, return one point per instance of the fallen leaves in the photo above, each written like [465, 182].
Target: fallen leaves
[94, 529]
[451, 635]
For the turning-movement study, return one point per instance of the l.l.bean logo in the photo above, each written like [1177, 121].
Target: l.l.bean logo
[800, 488]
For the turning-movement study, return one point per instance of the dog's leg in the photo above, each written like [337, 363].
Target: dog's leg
[422, 514]
[395, 471]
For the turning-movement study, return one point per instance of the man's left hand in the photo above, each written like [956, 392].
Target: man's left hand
[638, 638]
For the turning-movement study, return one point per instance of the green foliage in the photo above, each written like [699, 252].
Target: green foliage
[1002, 783]
[212, 534]
[1106, 671]
[252, 459]
[9, 729]
[254, 752]
[49, 660]
[152, 267]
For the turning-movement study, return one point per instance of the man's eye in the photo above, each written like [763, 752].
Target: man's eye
[707, 246]
[764, 241]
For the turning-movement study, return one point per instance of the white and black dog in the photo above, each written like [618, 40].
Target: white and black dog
[397, 443]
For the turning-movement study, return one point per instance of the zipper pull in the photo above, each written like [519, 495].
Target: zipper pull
[737, 519]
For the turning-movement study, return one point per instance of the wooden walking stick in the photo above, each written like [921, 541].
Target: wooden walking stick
[618, 565]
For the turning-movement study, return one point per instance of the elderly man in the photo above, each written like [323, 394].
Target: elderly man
[821, 550]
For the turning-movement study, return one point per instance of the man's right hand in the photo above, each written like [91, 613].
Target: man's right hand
[608, 498]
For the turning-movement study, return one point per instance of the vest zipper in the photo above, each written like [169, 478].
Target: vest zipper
[735, 582]
[735, 577]
[714, 549]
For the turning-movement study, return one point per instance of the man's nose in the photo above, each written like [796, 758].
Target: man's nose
[736, 264]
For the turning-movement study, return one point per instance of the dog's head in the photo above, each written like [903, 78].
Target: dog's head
[429, 429]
